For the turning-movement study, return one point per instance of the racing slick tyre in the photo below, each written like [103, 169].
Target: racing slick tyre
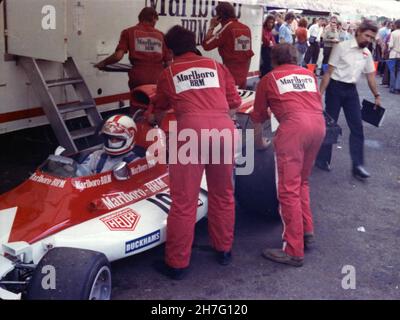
[256, 193]
[71, 274]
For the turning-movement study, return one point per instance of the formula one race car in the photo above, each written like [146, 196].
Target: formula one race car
[59, 232]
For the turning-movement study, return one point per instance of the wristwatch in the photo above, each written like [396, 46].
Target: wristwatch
[377, 95]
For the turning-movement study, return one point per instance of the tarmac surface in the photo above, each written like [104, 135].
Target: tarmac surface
[357, 227]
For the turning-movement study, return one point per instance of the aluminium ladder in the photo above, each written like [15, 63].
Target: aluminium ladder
[57, 113]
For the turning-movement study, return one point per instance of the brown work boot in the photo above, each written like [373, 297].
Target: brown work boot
[277, 255]
[309, 240]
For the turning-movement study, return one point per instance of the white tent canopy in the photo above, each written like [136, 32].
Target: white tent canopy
[387, 8]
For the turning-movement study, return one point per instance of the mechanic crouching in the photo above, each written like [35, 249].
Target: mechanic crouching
[201, 91]
[291, 93]
[119, 133]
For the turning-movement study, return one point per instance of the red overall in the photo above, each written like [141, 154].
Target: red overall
[233, 41]
[147, 53]
[291, 93]
[200, 91]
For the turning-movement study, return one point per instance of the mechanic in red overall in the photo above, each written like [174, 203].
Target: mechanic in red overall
[147, 51]
[233, 41]
[291, 93]
[202, 93]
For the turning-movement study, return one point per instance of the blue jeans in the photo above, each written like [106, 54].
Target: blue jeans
[344, 95]
[394, 70]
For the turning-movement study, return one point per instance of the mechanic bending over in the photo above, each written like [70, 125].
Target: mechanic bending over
[119, 133]
[291, 93]
[199, 105]
[147, 51]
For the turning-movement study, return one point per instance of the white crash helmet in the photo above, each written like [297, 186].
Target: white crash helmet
[124, 129]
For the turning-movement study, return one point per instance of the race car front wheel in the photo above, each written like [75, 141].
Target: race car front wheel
[71, 274]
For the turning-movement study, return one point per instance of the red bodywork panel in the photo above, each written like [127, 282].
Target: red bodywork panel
[48, 204]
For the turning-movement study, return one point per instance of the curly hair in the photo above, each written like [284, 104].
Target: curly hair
[180, 40]
[148, 14]
[284, 53]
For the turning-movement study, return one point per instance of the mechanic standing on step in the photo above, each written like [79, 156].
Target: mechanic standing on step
[147, 51]
[233, 41]
[291, 93]
[348, 60]
[201, 91]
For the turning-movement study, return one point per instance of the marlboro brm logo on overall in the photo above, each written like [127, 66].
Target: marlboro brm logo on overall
[195, 78]
[296, 83]
[148, 42]
[242, 43]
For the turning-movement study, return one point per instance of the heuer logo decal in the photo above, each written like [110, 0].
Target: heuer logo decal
[142, 242]
[124, 220]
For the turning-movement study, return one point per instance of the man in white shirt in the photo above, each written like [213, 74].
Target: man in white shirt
[348, 60]
[314, 38]
[394, 53]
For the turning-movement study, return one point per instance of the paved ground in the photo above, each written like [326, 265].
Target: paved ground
[341, 205]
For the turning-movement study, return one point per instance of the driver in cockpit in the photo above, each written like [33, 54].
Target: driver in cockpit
[119, 139]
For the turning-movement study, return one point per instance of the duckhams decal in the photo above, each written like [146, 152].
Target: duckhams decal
[142, 242]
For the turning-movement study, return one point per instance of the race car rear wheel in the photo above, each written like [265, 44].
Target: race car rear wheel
[71, 274]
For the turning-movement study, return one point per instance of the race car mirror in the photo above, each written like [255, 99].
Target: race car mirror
[121, 171]
[59, 151]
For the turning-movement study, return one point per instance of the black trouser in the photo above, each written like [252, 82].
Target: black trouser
[312, 53]
[327, 54]
[338, 95]
[266, 60]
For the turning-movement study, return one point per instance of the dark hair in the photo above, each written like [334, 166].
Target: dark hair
[303, 23]
[284, 53]
[289, 16]
[180, 40]
[367, 25]
[225, 10]
[269, 18]
[397, 24]
[148, 14]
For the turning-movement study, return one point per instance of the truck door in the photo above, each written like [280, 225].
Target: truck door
[37, 29]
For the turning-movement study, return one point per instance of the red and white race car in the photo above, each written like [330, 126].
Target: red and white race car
[75, 226]
[59, 232]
